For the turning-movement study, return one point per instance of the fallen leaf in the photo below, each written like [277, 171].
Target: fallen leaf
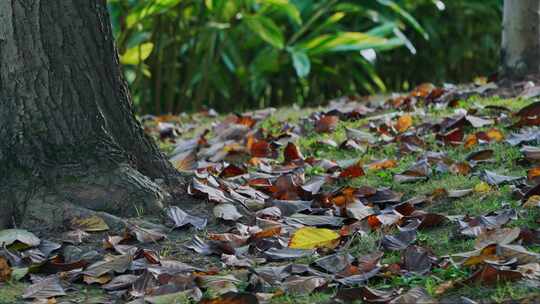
[490, 275]
[96, 280]
[309, 238]
[470, 141]
[493, 178]
[227, 212]
[185, 162]
[414, 295]
[180, 218]
[232, 171]
[194, 294]
[120, 282]
[292, 153]
[482, 187]
[383, 164]
[501, 236]
[327, 123]
[480, 156]
[335, 263]
[495, 135]
[533, 173]
[532, 202]
[48, 287]
[5, 270]
[232, 298]
[315, 220]
[287, 253]
[144, 235]
[353, 171]
[118, 264]
[399, 241]
[93, 223]
[302, 285]
[531, 153]
[404, 123]
[10, 236]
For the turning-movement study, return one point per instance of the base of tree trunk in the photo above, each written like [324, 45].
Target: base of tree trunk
[30, 202]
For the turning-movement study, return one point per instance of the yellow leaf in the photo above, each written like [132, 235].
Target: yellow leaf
[404, 123]
[310, 237]
[495, 135]
[481, 187]
[532, 202]
[89, 224]
[137, 53]
[471, 141]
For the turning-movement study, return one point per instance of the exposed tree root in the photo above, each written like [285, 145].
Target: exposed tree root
[47, 205]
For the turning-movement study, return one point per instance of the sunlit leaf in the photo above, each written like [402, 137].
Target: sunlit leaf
[266, 29]
[137, 54]
[309, 238]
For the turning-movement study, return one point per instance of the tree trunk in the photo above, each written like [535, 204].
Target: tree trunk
[68, 134]
[521, 38]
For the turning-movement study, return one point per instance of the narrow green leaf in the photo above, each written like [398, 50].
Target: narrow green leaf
[266, 29]
[286, 7]
[301, 63]
[405, 15]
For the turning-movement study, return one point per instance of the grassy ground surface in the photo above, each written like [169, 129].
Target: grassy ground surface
[442, 240]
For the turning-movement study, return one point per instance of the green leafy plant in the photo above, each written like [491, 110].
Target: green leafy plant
[181, 55]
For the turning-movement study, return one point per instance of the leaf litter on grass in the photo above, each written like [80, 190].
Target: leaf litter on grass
[295, 213]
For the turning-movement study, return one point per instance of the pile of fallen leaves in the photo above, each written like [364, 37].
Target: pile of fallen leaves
[255, 182]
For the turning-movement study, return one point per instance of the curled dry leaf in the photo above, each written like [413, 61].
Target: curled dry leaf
[227, 212]
[292, 153]
[532, 202]
[185, 162]
[144, 235]
[181, 218]
[93, 223]
[10, 236]
[399, 241]
[490, 275]
[383, 164]
[353, 171]
[327, 123]
[118, 264]
[404, 123]
[531, 153]
[5, 270]
[500, 236]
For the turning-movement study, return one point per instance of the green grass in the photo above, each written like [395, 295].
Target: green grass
[316, 297]
[443, 240]
[10, 293]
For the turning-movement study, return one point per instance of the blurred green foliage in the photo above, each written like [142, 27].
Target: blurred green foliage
[182, 55]
[464, 42]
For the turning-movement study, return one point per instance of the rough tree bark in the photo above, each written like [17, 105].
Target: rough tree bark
[521, 38]
[69, 140]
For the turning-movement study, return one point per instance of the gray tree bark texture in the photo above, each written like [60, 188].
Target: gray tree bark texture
[521, 38]
[69, 140]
